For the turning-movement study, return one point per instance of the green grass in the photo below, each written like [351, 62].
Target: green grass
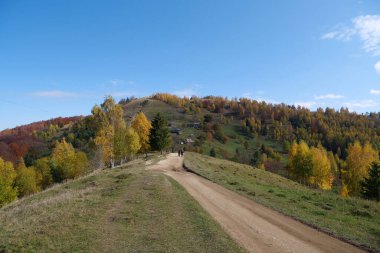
[127, 209]
[153, 106]
[353, 219]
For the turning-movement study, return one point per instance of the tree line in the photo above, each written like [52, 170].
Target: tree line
[325, 148]
[104, 132]
[19, 181]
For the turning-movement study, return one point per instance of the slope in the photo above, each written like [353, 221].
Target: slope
[355, 220]
[127, 209]
[236, 141]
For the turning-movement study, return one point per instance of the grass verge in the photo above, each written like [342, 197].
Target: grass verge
[352, 219]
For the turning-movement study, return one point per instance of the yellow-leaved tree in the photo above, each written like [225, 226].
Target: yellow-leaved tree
[359, 160]
[26, 180]
[105, 141]
[126, 144]
[300, 161]
[7, 177]
[321, 176]
[44, 177]
[132, 141]
[109, 116]
[142, 126]
[66, 163]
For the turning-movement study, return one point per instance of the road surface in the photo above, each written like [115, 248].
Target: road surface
[255, 227]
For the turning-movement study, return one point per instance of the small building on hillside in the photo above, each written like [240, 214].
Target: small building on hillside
[195, 125]
[175, 130]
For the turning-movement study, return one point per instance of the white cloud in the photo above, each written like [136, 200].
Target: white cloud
[306, 104]
[54, 94]
[342, 33]
[115, 82]
[375, 92]
[377, 67]
[367, 28]
[329, 96]
[361, 104]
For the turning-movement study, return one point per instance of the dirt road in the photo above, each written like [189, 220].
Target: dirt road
[255, 227]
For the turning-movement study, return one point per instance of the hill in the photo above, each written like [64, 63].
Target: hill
[32, 139]
[128, 209]
[245, 131]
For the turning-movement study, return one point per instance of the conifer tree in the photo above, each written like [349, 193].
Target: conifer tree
[159, 138]
[371, 184]
[212, 152]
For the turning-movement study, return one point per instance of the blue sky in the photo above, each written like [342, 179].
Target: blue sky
[60, 57]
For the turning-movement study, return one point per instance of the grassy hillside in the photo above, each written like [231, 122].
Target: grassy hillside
[128, 209]
[353, 219]
[178, 119]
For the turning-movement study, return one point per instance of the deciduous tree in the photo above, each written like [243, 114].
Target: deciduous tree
[7, 177]
[321, 176]
[142, 126]
[300, 161]
[109, 116]
[26, 180]
[66, 163]
[359, 160]
[43, 170]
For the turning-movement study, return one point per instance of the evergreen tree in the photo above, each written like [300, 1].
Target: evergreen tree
[371, 184]
[212, 152]
[159, 138]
